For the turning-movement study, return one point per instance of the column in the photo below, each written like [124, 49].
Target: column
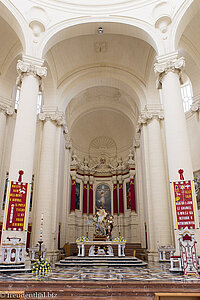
[46, 188]
[168, 68]
[22, 154]
[91, 195]
[6, 109]
[25, 127]
[66, 189]
[160, 231]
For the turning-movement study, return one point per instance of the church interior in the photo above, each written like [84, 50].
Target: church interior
[99, 146]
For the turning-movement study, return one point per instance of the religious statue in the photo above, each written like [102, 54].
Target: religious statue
[103, 222]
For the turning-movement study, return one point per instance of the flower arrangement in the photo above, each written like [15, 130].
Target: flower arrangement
[41, 267]
[119, 239]
[82, 239]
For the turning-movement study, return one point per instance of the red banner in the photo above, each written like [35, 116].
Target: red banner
[16, 206]
[184, 204]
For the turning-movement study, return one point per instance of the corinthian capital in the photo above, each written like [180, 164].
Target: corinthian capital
[55, 116]
[25, 68]
[148, 115]
[168, 64]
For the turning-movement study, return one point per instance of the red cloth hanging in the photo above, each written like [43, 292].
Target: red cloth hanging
[115, 204]
[85, 198]
[132, 189]
[121, 200]
[91, 198]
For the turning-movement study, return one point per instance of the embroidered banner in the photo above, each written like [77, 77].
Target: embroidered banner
[16, 206]
[184, 204]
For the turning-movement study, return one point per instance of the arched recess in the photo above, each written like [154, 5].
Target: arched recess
[97, 77]
[112, 25]
[15, 20]
[183, 17]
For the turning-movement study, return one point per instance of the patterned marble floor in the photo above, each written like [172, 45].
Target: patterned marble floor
[154, 271]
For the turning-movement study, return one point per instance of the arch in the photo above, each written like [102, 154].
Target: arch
[181, 20]
[99, 76]
[112, 25]
[15, 20]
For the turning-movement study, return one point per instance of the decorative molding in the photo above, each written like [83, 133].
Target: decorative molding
[161, 68]
[195, 107]
[57, 117]
[25, 68]
[148, 115]
[68, 142]
[6, 106]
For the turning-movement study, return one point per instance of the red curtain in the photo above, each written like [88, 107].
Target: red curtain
[121, 201]
[132, 188]
[91, 199]
[115, 204]
[85, 198]
[73, 195]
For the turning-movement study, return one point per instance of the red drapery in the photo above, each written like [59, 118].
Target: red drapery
[91, 199]
[115, 204]
[121, 202]
[132, 188]
[73, 195]
[85, 198]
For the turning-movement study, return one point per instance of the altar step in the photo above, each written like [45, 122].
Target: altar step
[130, 249]
[14, 268]
[100, 261]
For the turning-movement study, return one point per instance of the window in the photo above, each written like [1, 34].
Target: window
[17, 91]
[186, 92]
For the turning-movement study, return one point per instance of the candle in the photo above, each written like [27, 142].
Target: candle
[41, 226]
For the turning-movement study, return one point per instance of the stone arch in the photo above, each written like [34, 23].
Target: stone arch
[115, 25]
[15, 20]
[181, 20]
[98, 76]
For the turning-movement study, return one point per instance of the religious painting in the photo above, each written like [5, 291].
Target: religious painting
[128, 195]
[197, 187]
[77, 198]
[103, 197]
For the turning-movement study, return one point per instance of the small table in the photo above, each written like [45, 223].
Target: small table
[81, 247]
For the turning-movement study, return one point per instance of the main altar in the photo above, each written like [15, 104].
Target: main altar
[103, 242]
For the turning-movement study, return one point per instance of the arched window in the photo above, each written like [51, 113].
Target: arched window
[187, 94]
[16, 98]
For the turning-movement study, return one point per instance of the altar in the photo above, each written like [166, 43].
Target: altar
[101, 248]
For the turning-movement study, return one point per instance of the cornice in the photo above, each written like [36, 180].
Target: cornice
[6, 106]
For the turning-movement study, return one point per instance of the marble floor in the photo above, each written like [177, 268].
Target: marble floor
[153, 272]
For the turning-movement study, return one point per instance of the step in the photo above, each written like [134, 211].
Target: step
[15, 270]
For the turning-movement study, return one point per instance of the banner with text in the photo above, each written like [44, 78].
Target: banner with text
[184, 204]
[16, 206]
